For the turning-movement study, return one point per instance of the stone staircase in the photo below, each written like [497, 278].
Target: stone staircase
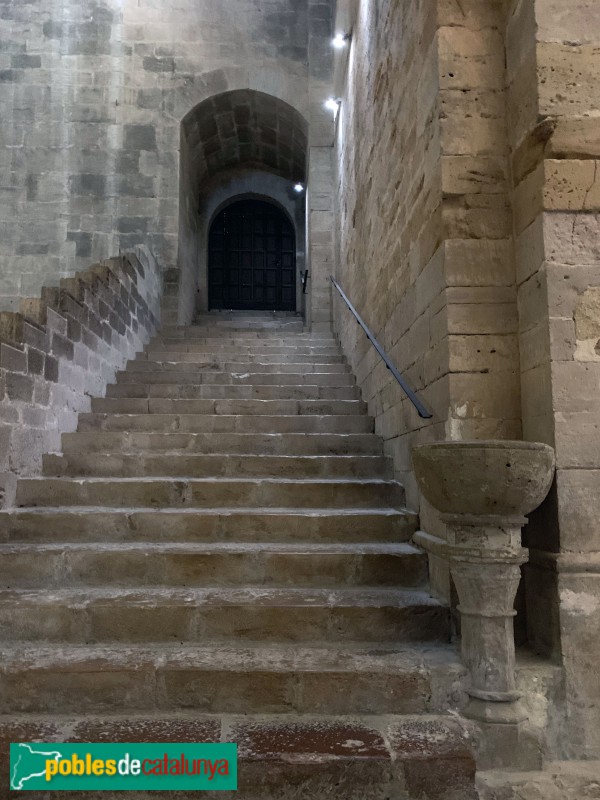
[221, 553]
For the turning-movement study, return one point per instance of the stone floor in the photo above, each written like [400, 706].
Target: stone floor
[561, 780]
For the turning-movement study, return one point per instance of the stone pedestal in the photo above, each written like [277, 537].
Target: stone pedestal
[483, 491]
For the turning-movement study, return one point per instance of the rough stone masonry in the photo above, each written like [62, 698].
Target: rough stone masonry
[456, 198]
[469, 238]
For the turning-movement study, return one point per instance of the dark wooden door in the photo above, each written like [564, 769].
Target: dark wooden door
[252, 258]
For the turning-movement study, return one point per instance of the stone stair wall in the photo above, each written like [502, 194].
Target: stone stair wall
[65, 347]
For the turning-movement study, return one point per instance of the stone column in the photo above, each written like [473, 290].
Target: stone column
[483, 490]
[485, 556]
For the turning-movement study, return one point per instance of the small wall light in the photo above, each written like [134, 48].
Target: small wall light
[340, 40]
[299, 188]
[333, 104]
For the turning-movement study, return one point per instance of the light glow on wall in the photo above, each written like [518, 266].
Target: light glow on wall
[340, 40]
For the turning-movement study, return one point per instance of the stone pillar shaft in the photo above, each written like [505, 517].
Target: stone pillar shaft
[485, 558]
[483, 489]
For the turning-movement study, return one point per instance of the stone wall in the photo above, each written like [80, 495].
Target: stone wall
[64, 348]
[389, 210]
[320, 204]
[426, 251]
[481, 352]
[92, 95]
[553, 57]
[468, 198]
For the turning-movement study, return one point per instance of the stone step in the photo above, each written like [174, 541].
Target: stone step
[223, 680]
[180, 349]
[245, 326]
[240, 364]
[247, 333]
[297, 375]
[288, 756]
[129, 465]
[236, 357]
[208, 525]
[207, 391]
[228, 407]
[265, 316]
[281, 444]
[211, 341]
[292, 332]
[236, 423]
[188, 331]
[221, 614]
[294, 565]
[208, 493]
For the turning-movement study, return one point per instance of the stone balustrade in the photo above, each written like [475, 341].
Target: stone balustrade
[63, 348]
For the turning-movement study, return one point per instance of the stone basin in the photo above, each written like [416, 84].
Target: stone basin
[498, 477]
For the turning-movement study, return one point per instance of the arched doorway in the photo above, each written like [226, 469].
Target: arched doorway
[252, 258]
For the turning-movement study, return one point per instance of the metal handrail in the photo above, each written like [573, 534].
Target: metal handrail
[421, 410]
[304, 276]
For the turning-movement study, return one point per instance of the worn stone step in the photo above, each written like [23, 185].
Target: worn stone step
[177, 349]
[264, 317]
[192, 332]
[212, 342]
[130, 465]
[246, 327]
[208, 492]
[247, 336]
[227, 407]
[205, 333]
[197, 525]
[236, 356]
[223, 443]
[288, 756]
[236, 423]
[288, 381]
[241, 362]
[301, 564]
[195, 377]
[243, 327]
[269, 615]
[208, 391]
[223, 680]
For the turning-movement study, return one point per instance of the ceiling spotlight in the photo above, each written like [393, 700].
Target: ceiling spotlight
[340, 40]
[299, 188]
[333, 104]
